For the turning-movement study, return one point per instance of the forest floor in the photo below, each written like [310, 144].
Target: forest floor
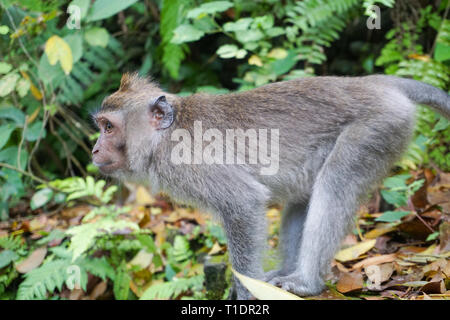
[404, 257]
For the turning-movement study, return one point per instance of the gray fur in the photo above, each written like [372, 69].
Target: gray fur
[338, 138]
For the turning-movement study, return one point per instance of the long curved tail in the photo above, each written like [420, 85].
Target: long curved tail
[422, 93]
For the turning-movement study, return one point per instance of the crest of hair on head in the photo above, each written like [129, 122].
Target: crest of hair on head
[131, 81]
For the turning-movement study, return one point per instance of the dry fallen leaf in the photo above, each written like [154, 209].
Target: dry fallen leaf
[98, 290]
[355, 251]
[350, 282]
[264, 291]
[143, 197]
[33, 260]
[216, 248]
[379, 231]
[374, 261]
[142, 259]
[377, 274]
[434, 287]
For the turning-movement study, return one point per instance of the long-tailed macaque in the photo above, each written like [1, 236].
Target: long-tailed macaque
[315, 145]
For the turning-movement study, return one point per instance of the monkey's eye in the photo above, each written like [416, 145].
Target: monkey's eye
[108, 127]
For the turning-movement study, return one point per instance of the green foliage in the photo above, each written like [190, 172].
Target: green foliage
[172, 54]
[405, 56]
[77, 188]
[396, 190]
[174, 288]
[53, 274]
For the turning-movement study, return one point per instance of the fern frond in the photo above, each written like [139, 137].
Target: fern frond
[174, 288]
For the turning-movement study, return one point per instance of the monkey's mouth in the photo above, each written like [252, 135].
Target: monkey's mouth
[105, 167]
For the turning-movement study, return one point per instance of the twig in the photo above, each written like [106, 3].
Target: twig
[30, 175]
[24, 131]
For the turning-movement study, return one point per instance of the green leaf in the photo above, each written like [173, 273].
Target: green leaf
[393, 197]
[33, 131]
[398, 181]
[281, 66]
[75, 42]
[5, 133]
[249, 36]
[6, 257]
[5, 67]
[8, 83]
[186, 33]
[122, 283]
[9, 155]
[227, 51]
[239, 25]
[392, 216]
[97, 37]
[14, 114]
[147, 241]
[102, 9]
[172, 54]
[442, 52]
[433, 236]
[83, 5]
[209, 8]
[50, 73]
[4, 29]
[22, 87]
[41, 198]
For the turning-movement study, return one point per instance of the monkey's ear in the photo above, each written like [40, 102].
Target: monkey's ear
[162, 113]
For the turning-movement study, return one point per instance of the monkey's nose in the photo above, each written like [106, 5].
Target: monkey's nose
[94, 151]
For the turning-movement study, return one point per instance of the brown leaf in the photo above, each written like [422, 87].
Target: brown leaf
[33, 260]
[98, 290]
[439, 192]
[415, 228]
[419, 198]
[350, 282]
[434, 287]
[377, 274]
[374, 261]
[76, 294]
[379, 231]
[444, 237]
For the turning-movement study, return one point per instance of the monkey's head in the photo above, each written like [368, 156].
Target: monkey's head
[131, 122]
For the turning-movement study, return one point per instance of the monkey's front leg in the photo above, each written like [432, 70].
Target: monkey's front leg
[246, 235]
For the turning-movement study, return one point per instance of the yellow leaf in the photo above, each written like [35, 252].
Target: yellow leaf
[429, 251]
[264, 291]
[142, 259]
[375, 233]
[56, 50]
[255, 60]
[355, 251]
[34, 91]
[216, 248]
[143, 197]
[277, 53]
[33, 116]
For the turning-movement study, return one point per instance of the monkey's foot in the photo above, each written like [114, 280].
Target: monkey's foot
[268, 276]
[295, 284]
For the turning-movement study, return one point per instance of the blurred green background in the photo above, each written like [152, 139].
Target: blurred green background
[59, 59]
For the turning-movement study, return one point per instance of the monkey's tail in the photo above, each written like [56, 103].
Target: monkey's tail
[423, 93]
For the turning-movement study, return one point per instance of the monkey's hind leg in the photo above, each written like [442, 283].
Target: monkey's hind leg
[363, 153]
[292, 221]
